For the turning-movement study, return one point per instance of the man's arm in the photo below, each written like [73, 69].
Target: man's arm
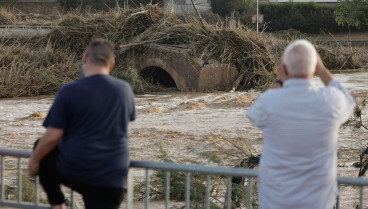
[257, 113]
[281, 76]
[323, 72]
[47, 143]
[347, 104]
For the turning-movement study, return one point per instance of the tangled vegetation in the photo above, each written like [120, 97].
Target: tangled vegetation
[37, 66]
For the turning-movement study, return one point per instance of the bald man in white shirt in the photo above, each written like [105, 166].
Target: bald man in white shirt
[300, 124]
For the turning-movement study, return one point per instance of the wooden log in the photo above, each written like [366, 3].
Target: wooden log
[199, 15]
[237, 82]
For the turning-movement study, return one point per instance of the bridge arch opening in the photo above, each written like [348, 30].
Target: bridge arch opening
[158, 76]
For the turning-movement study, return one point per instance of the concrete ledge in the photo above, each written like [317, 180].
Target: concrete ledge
[216, 77]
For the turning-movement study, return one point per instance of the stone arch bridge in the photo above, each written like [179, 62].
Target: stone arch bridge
[173, 67]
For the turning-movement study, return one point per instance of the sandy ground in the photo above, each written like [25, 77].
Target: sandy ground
[195, 128]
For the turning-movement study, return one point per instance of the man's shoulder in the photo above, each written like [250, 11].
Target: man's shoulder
[96, 80]
[70, 85]
[107, 83]
[118, 81]
[271, 93]
[67, 87]
[120, 85]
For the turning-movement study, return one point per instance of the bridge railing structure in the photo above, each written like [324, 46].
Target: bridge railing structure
[229, 173]
[25, 27]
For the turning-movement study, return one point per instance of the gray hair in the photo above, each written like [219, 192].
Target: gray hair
[300, 58]
[100, 52]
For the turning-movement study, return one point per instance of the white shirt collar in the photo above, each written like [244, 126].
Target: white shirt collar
[298, 82]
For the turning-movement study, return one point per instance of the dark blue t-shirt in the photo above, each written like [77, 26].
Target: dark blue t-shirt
[94, 113]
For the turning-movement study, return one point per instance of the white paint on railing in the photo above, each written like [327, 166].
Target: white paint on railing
[23, 30]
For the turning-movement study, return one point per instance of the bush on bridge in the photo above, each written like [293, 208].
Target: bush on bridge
[305, 17]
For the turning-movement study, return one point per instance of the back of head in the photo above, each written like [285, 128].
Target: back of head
[100, 52]
[300, 58]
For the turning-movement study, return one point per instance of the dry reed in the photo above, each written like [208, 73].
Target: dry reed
[7, 17]
[25, 71]
[334, 54]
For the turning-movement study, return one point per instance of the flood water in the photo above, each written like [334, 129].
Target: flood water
[352, 81]
[202, 128]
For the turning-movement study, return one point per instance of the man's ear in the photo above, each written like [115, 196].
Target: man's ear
[84, 58]
[316, 70]
[112, 65]
[285, 70]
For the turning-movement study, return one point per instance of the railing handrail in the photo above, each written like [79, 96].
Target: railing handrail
[15, 153]
[210, 170]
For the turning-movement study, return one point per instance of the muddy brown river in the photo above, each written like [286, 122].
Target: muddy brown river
[202, 128]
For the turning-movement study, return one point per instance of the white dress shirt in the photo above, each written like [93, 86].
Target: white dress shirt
[300, 124]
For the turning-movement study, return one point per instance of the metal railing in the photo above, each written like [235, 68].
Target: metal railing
[188, 170]
[19, 155]
[25, 27]
[168, 168]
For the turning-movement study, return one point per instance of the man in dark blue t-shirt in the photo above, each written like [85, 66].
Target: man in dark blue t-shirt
[85, 145]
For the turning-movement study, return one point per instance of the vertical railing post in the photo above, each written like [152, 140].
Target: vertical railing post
[167, 189]
[338, 197]
[250, 193]
[361, 197]
[72, 199]
[228, 193]
[208, 203]
[147, 189]
[36, 188]
[19, 181]
[187, 190]
[130, 189]
[2, 183]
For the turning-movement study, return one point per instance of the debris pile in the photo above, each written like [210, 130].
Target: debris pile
[229, 43]
[41, 65]
[338, 59]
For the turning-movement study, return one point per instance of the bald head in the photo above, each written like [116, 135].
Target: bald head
[300, 59]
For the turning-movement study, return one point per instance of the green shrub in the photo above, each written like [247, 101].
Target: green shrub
[137, 3]
[28, 190]
[353, 13]
[242, 9]
[305, 17]
[177, 185]
[93, 4]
